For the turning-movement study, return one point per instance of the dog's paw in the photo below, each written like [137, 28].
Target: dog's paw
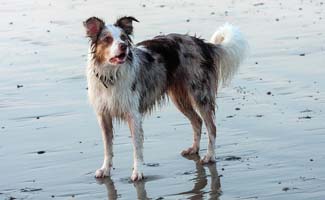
[208, 159]
[190, 151]
[137, 175]
[102, 173]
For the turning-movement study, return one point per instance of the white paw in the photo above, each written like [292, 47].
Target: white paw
[137, 175]
[190, 151]
[102, 172]
[208, 159]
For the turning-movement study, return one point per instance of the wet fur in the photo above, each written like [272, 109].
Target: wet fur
[161, 64]
[186, 69]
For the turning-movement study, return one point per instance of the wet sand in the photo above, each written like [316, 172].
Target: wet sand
[271, 130]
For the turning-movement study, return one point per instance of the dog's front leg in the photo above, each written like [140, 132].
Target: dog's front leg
[135, 125]
[106, 125]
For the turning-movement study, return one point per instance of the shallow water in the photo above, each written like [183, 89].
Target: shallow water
[268, 146]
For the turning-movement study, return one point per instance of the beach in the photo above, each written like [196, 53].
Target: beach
[270, 129]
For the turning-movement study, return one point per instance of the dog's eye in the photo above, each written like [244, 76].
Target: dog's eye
[108, 39]
[123, 37]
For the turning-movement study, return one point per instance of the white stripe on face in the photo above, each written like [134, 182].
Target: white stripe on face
[116, 35]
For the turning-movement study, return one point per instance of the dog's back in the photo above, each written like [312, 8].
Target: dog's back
[189, 67]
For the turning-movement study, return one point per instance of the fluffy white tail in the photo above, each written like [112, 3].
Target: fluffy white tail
[234, 50]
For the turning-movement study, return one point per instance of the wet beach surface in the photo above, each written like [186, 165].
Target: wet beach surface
[271, 130]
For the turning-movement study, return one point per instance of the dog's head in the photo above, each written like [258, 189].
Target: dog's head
[110, 43]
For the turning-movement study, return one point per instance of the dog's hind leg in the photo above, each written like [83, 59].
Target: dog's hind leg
[105, 123]
[182, 102]
[202, 95]
[207, 113]
[135, 124]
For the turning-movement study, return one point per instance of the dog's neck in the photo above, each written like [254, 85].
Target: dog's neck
[109, 74]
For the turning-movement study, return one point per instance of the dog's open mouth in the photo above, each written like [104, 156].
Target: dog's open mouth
[119, 59]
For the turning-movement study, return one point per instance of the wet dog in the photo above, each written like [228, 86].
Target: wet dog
[127, 81]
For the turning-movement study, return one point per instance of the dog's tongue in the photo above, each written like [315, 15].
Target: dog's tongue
[118, 59]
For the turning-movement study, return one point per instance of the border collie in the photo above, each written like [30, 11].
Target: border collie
[127, 81]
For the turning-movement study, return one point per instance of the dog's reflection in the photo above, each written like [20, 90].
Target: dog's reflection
[201, 181]
[110, 187]
[112, 192]
[197, 193]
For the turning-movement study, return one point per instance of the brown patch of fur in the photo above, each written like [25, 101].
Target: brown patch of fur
[181, 98]
[101, 50]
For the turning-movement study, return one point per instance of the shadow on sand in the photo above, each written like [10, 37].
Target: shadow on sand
[198, 192]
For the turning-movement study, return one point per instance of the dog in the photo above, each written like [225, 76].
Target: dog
[127, 81]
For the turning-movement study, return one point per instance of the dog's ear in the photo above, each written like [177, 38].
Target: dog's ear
[125, 23]
[93, 27]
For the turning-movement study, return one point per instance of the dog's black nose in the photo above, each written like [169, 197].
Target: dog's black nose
[122, 46]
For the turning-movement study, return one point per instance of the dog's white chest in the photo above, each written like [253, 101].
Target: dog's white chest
[118, 98]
